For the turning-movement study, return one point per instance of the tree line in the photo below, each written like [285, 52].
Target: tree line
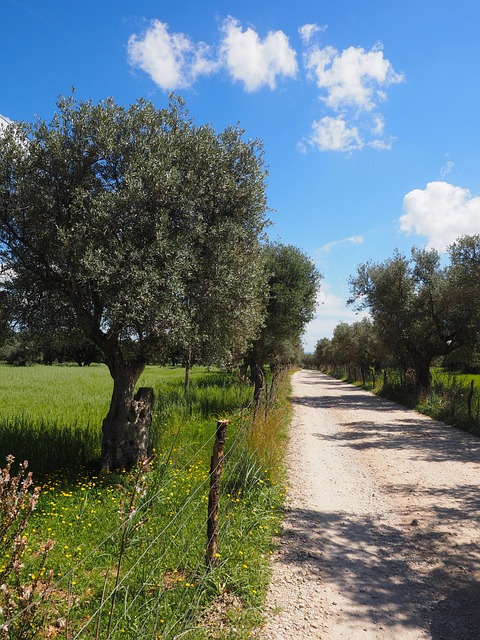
[137, 234]
[420, 312]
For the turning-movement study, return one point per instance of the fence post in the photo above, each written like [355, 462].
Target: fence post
[469, 400]
[216, 468]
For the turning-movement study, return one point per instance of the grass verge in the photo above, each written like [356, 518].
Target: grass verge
[128, 559]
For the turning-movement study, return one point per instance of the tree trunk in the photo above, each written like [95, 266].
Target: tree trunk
[423, 376]
[243, 369]
[126, 428]
[257, 376]
[188, 369]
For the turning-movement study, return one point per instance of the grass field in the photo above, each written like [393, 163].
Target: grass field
[128, 559]
[52, 416]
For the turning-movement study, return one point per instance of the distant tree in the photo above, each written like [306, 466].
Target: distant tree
[342, 345]
[356, 345]
[465, 360]
[415, 309]
[323, 355]
[109, 212]
[293, 283]
[464, 274]
[47, 334]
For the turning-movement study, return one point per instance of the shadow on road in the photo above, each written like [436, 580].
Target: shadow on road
[395, 575]
[392, 574]
[427, 439]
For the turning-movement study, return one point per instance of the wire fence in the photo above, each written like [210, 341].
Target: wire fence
[147, 568]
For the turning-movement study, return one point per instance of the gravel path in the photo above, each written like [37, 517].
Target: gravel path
[382, 531]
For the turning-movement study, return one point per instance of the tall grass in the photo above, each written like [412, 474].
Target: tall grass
[52, 415]
[128, 559]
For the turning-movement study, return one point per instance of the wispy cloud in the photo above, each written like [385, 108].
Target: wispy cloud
[333, 134]
[326, 248]
[441, 212]
[447, 169]
[307, 31]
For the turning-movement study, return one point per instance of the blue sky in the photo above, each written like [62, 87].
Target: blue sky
[368, 110]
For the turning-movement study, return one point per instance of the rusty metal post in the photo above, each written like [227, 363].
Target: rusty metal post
[216, 468]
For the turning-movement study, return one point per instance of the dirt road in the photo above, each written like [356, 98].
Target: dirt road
[382, 533]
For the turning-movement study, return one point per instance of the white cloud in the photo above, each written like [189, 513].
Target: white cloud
[253, 61]
[335, 243]
[441, 212]
[173, 61]
[307, 31]
[381, 145]
[447, 169]
[332, 134]
[351, 82]
[378, 124]
[352, 78]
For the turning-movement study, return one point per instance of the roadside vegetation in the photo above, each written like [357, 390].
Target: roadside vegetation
[420, 344]
[127, 556]
[453, 397]
[131, 237]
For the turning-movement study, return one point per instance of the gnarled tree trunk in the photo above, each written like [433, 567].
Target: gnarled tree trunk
[126, 427]
[423, 375]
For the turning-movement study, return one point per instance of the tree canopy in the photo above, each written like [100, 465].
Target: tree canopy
[293, 283]
[417, 308]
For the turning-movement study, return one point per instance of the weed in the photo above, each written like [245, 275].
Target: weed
[24, 592]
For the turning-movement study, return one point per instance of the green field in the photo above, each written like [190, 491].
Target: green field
[128, 559]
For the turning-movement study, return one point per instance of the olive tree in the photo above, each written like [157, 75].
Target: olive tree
[323, 355]
[464, 274]
[110, 213]
[293, 283]
[415, 307]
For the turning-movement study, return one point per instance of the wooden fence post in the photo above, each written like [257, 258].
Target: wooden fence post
[470, 398]
[216, 468]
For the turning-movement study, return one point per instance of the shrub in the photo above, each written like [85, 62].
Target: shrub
[24, 592]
